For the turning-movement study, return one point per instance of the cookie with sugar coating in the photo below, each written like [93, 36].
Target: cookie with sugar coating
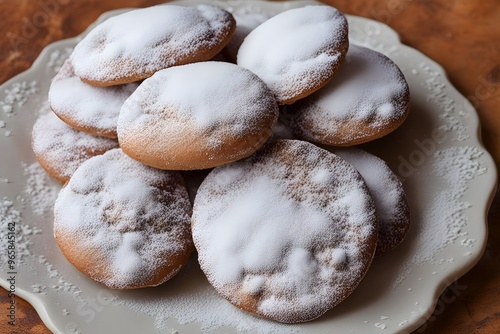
[124, 224]
[393, 210]
[287, 233]
[197, 116]
[134, 45]
[60, 149]
[296, 52]
[84, 107]
[366, 100]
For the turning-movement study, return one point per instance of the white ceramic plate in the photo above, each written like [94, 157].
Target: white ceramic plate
[448, 175]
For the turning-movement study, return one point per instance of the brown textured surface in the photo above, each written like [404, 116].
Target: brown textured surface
[463, 36]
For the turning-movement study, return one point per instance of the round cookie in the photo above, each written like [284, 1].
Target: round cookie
[60, 149]
[124, 224]
[197, 116]
[387, 191]
[132, 46]
[367, 99]
[85, 107]
[286, 234]
[296, 52]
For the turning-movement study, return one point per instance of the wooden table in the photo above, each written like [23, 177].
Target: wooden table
[463, 36]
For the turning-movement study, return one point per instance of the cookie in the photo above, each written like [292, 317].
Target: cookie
[296, 52]
[132, 46]
[85, 107]
[367, 99]
[286, 234]
[197, 116]
[387, 191]
[60, 149]
[124, 224]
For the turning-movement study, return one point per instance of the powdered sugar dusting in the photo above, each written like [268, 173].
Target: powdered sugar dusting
[457, 166]
[443, 221]
[125, 47]
[14, 232]
[91, 109]
[295, 50]
[57, 58]
[61, 149]
[387, 193]
[17, 96]
[210, 93]
[133, 217]
[202, 108]
[40, 190]
[369, 91]
[203, 309]
[249, 227]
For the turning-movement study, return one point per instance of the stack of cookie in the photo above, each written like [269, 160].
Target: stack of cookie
[284, 229]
